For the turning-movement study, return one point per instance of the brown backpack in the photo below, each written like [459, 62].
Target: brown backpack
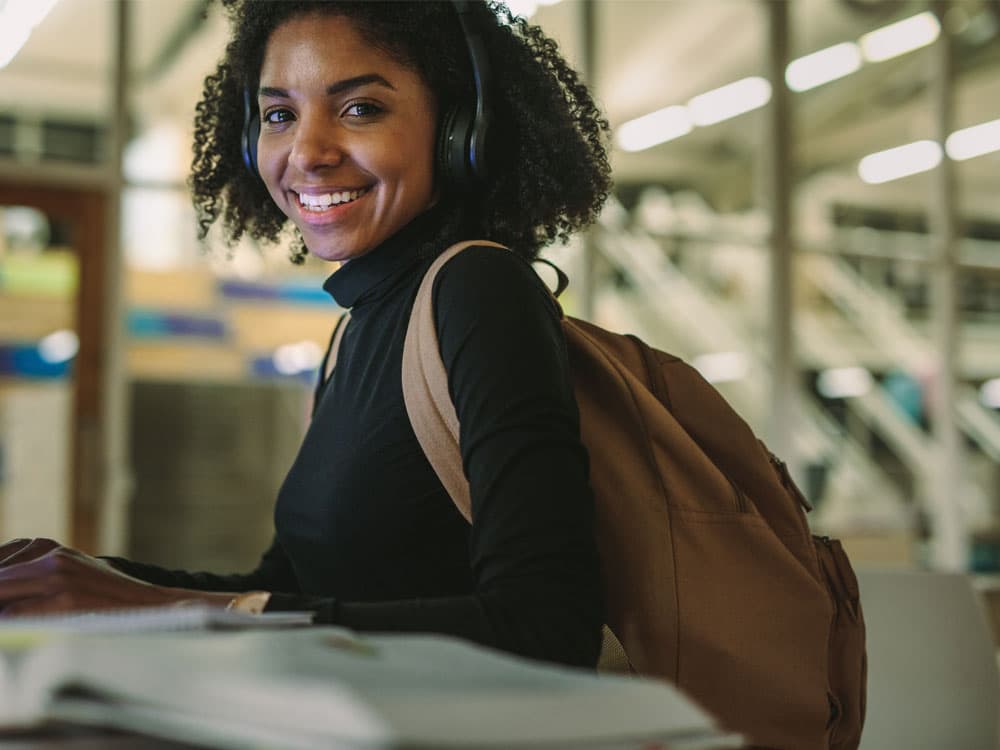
[712, 579]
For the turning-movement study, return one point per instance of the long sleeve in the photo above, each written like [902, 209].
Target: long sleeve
[535, 580]
[273, 573]
[533, 549]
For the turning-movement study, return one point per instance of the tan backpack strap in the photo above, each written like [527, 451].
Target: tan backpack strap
[330, 360]
[425, 387]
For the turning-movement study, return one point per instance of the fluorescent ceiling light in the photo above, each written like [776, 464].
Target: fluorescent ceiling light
[722, 367]
[822, 67]
[844, 382]
[901, 161]
[17, 19]
[730, 100]
[989, 394]
[802, 74]
[27, 13]
[527, 8]
[12, 39]
[657, 127]
[974, 141]
[900, 37]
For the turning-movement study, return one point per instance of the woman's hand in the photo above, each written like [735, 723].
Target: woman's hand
[40, 576]
[19, 550]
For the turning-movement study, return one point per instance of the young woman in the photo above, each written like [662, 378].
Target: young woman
[353, 101]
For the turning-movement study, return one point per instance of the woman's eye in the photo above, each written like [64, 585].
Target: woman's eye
[363, 110]
[277, 116]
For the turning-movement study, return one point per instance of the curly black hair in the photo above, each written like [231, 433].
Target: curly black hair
[549, 171]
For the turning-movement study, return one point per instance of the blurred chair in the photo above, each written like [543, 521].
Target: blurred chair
[933, 680]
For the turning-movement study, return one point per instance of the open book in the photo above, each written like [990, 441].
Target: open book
[327, 687]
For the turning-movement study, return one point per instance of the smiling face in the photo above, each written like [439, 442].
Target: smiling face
[347, 136]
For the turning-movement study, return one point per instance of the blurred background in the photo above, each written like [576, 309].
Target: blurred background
[806, 208]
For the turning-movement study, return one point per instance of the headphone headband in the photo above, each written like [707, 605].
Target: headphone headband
[475, 152]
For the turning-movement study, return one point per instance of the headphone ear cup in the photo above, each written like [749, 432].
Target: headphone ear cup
[250, 135]
[454, 161]
[442, 156]
[478, 151]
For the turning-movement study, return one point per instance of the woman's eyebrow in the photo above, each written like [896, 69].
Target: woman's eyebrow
[334, 88]
[353, 83]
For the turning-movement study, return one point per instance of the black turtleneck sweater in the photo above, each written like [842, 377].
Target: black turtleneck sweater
[366, 535]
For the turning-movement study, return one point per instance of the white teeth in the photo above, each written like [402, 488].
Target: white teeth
[322, 202]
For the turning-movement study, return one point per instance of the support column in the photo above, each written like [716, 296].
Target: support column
[777, 149]
[588, 63]
[112, 529]
[945, 480]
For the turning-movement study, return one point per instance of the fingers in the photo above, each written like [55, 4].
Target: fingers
[64, 580]
[36, 606]
[13, 590]
[38, 585]
[44, 575]
[9, 548]
[21, 550]
[47, 565]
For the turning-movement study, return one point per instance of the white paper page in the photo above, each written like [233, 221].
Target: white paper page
[441, 691]
[6, 679]
[413, 690]
[19, 707]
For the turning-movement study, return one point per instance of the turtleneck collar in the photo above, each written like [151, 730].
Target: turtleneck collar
[368, 277]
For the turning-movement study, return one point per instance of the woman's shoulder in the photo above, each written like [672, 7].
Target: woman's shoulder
[487, 271]
[484, 282]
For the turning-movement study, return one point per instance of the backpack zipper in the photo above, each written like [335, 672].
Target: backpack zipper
[786, 480]
[840, 607]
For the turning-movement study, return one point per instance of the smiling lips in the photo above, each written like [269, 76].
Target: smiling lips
[314, 203]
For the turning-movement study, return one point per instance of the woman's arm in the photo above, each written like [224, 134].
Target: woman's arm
[273, 573]
[41, 576]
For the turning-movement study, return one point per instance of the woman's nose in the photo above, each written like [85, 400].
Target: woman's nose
[316, 144]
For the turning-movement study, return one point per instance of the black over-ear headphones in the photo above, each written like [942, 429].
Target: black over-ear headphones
[463, 134]
[251, 132]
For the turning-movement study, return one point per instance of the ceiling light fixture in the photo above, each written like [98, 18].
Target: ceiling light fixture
[527, 8]
[722, 367]
[17, 19]
[12, 39]
[822, 67]
[802, 74]
[657, 127]
[975, 141]
[730, 101]
[902, 161]
[900, 37]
